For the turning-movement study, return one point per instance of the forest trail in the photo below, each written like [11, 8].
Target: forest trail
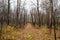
[30, 32]
[37, 34]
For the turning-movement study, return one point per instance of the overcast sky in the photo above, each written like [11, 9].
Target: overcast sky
[28, 5]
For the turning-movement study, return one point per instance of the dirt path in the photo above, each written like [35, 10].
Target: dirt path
[40, 34]
[37, 34]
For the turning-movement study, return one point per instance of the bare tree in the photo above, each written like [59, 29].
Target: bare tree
[1, 18]
[18, 10]
[53, 18]
[45, 5]
[8, 12]
[38, 12]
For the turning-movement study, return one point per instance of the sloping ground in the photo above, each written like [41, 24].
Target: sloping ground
[28, 33]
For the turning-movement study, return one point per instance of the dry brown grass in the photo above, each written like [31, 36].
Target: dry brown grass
[28, 33]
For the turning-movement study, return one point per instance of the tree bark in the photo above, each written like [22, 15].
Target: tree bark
[8, 12]
[38, 12]
[53, 18]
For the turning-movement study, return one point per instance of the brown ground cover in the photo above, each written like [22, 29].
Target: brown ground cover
[28, 33]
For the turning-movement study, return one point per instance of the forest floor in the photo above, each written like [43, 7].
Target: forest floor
[30, 32]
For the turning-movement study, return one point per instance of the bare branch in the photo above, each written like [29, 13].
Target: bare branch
[33, 3]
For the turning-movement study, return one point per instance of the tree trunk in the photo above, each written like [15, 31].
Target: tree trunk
[38, 12]
[8, 12]
[53, 18]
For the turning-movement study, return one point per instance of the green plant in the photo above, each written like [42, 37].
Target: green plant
[28, 36]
